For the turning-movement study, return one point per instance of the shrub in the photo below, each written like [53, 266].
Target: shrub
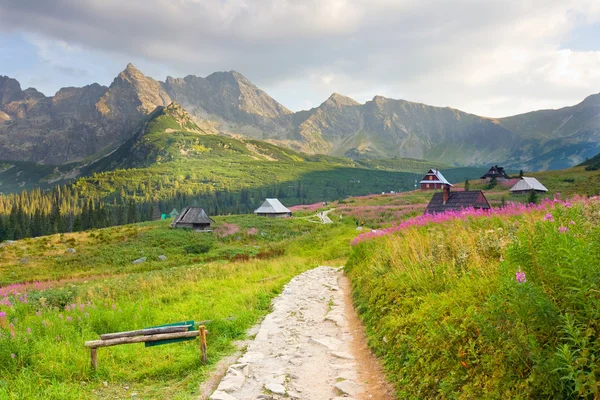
[197, 248]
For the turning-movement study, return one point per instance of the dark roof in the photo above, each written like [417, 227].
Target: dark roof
[457, 201]
[496, 171]
[193, 215]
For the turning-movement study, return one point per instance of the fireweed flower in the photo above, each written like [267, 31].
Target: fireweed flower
[572, 223]
[562, 229]
[520, 276]
[13, 356]
[28, 330]
[2, 314]
[549, 217]
[69, 319]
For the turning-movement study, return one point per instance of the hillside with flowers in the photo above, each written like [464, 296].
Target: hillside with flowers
[473, 304]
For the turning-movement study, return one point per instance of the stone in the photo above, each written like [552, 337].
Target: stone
[162, 257]
[71, 250]
[234, 380]
[219, 395]
[343, 355]
[347, 387]
[330, 343]
[139, 260]
[275, 388]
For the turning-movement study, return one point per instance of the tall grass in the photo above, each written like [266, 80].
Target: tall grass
[497, 306]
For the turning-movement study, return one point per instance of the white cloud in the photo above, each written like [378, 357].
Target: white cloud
[493, 57]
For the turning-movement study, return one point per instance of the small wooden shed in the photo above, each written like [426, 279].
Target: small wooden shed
[496, 172]
[447, 200]
[434, 180]
[273, 208]
[194, 218]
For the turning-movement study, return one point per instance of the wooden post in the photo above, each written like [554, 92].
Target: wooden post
[94, 357]
[203, 342]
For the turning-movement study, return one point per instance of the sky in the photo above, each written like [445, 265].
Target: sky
[488, 57]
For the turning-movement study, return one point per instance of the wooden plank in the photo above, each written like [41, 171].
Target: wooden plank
[203, 348]
[148, 331]
[140, 339]
[94, 358]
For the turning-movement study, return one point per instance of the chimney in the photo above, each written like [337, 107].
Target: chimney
[446, 193]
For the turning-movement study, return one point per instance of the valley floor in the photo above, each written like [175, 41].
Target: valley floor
[310, 347]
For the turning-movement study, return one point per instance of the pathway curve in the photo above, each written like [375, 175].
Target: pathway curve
[304, 349]
[324, 217]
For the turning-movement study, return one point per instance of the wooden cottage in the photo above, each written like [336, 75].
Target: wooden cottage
[194, 218]
[273, 208]
[527, 185]
[447, 200]
[434, 180]
[496, 172]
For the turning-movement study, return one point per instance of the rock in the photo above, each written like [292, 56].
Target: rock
[347, 387]
[343, 355]
[275, 388]
[71, 250]
[139, 260]
[219, 395]
[162, 257]
[330, 343]
[105, 383]
[133, 394]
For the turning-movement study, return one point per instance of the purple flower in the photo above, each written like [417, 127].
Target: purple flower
[520, 276]
[2, 314]
[572, 223]
[549, 217]
[563, 229]
[28, 330]
[69, 319]
[13, 356]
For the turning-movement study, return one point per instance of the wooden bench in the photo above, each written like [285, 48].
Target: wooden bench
[147, 336]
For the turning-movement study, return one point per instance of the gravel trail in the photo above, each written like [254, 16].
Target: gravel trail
[303, 349]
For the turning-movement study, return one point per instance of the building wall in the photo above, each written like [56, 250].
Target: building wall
[431, 186]
[279, 215]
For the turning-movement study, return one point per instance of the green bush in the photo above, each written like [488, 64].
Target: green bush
[198, 248]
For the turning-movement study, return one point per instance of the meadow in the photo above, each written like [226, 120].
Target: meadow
[56, 300]
[485, 305]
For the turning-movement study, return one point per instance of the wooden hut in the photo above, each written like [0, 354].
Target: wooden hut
[273, 208]
[527, 185]
[496, 172]
[447, 200]
[194, 218]
[434, 180]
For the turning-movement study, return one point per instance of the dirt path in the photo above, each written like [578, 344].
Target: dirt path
[310, 347]
[324, 217]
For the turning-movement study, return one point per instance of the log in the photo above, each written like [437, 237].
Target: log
[203, 348]
[140, 339]
[94, 358]
[148, 331]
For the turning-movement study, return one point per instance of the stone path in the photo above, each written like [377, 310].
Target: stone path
[302, 349]
[324, 217]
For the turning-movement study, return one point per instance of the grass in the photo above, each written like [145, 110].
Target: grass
[448, 318]
[42, 333]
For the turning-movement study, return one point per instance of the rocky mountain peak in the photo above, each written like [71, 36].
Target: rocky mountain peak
[338, 100]
[10, 90]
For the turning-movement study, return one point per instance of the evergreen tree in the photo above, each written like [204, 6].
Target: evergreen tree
[520, 173]
[533, 197]
[467, 185]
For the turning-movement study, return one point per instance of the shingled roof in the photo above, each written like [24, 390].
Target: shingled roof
[438, 177]
[272, 206]
[193, 215]
[526, 184]
[457, 201]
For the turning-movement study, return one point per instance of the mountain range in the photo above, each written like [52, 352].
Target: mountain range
[85, 124]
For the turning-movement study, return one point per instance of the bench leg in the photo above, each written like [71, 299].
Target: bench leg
[94, 358]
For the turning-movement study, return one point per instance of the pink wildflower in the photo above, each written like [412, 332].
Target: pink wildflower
[69, 319]
[563, 229]
[60, 316]
[549, 217]
[520, 276]
[13, 356]
[28, 330]
[572, 223]
[2, 314]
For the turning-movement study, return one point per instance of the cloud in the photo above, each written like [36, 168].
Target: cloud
[493, 57]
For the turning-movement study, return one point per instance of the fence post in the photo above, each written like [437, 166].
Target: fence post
[203, 343]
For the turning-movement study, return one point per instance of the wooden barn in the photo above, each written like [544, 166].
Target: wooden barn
[496, 172]
[273, 208]
[434, 180]
[447, 200]
[527, 185]
[194, 218]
